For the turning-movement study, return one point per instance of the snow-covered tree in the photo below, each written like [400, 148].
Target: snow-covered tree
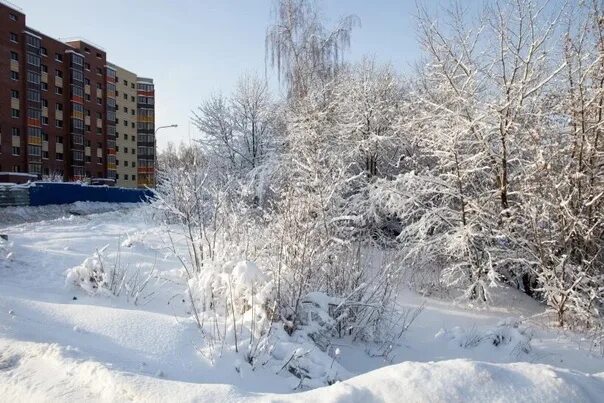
[302, 50]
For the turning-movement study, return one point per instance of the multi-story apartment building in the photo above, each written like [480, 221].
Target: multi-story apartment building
[126, 127]
[146, 131]
[62, 109]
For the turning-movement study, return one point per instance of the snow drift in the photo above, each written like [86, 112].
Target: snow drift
[62, 378]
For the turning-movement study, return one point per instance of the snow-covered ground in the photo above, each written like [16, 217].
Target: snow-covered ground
[57, 343]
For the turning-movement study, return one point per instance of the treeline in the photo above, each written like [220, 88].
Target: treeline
[482, 167]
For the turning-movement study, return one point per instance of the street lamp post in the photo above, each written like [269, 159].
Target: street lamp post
[155, 152]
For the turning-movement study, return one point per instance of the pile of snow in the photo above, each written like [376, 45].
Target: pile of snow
[46, 372]
[464, 380]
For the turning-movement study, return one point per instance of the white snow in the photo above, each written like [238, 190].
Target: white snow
[58, 343]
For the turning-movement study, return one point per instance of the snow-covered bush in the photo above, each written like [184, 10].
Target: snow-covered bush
[92, 276]
[463, 176]
[508, 336]
[97, 275]
[5, 251]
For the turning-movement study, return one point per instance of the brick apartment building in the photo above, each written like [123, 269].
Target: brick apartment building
[63, 111]
[134, 128]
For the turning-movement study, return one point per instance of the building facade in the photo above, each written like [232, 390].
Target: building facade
[126, 127]
[62, 111]
[146, 132]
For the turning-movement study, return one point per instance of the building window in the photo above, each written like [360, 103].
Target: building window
[14, 113]
[99, 55]
[59, 139]
[59, 107]
[132, 85]
[33, 95]
[87, 81]
[12, 17]
[14, 94]
[14, 75]
[59, 156]
[44, 86]
[33, 113]
[45, 155]
[87, 97]
[59, 57]
[86, 49]
[126, 123]
[16, 150]
[14, 56]
[59, 73]
[33, 78]
[126, 151]
[99, 71]
[15, 132]
[99, 86]
[125, 109]
[125, 96]
[59, 123]
[99, 101]
[59, 91]
[133, 125]
[45, 103]
[44, 68]
[13, 37]
[77, 125]
[87, 66]
[88, 158]
[125, 137]
[45, 120]
[43, 51]
[133, 151]
[34, 60]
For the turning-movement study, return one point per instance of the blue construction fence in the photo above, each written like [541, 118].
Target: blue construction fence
[43, 193]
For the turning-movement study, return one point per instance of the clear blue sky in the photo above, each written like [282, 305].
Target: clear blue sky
[195, 47]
